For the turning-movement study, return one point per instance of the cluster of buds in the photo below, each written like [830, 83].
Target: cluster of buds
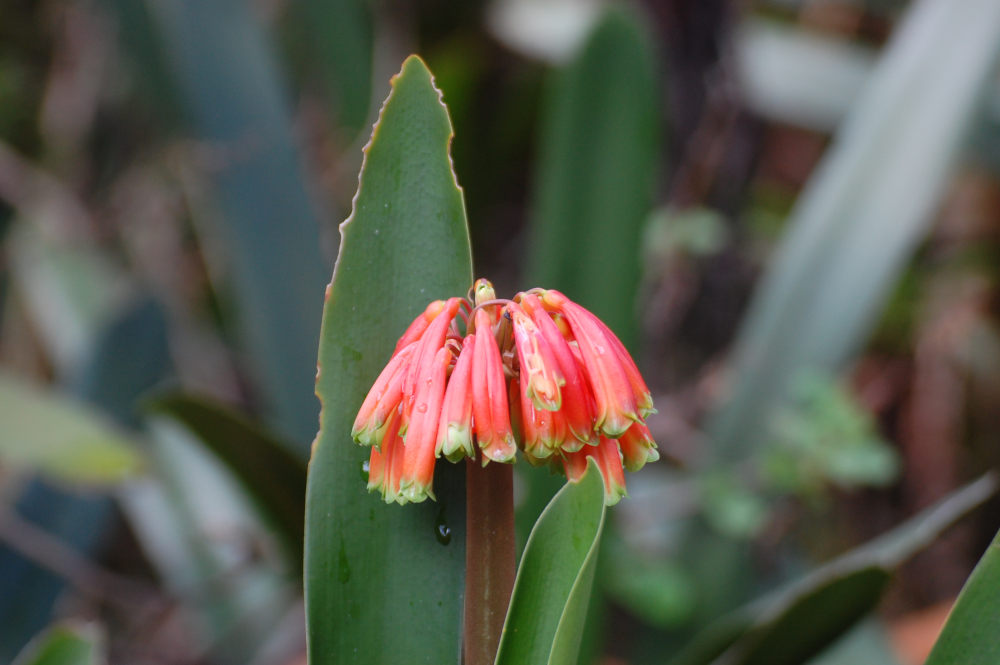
[481, 378]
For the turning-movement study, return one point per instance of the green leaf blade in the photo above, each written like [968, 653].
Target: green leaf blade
[970, 633]
[61, 439]
[65, 644]
[549, 602]
[372, 569]
[862, 214]
[796, 622]
[271, 474]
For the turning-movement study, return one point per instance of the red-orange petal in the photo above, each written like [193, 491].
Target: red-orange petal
[637, 447]
[381, 463]
[537, 361]
[614, 399]
[383, 397]
[644, 399]
[491, 416]
[421, 434]
[416, 329]
[454, 438]
[609, 462]
[576, 398]
[430, 342]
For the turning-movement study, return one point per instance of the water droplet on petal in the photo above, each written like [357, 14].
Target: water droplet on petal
[422, 408]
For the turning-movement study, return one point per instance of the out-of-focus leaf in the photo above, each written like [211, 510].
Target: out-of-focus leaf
[867, 643]
[60, 438]
[598, 161]
[552, 589]
[970, 635]
[67, 644]
[796, 622]
[270, 473]
[126, 358]
[333, 40]
[70, 291]
[220, 59]
[203, 535]
[372, 568]
[862, 213]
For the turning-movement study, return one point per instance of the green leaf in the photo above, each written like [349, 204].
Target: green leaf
[66, 644]
[866, 643]
[798, 621]
[269, 472]
[598, 158]
[60, 438]
[334, 39]
[380, 588]
[862, 214]
[970, 633]
[549, 602]
[263, 219]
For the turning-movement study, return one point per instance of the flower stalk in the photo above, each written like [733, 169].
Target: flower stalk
[489, 558]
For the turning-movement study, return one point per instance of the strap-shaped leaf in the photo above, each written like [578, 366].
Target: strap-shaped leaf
[863, 212]
[798, 621]
[380, 587]
[271, 474]
[66, 644]
[61, 439]
[972, 632]
[549, 603]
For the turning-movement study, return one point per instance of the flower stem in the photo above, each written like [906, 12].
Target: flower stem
[489, 558]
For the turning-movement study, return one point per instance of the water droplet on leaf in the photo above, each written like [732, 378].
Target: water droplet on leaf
[441, 529]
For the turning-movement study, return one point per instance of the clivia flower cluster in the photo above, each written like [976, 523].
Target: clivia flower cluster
[538, 372]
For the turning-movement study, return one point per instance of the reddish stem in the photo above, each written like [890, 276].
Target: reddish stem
[489, 558]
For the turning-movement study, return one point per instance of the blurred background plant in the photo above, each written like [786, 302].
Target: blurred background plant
[789, 210]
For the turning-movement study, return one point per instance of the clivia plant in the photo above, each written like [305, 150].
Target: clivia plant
[483, 379]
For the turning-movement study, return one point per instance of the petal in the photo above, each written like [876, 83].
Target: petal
[419, 325]
[614, 399]
[384, 396]
[430, 342]
[381, 462]
[577, 402]
[455, 426]
[609, 462]
[491, 416]
[637, 447]
[537, 360]
[421, 435]
[644, 399]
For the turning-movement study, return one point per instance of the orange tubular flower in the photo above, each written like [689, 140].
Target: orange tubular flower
[573, 390]
[382, 400]
[615, 397]
[455, 426]
[489, 396]
[421, 436]
[576, 403]
[538, 363]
